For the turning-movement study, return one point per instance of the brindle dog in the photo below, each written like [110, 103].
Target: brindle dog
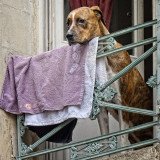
[83, 25]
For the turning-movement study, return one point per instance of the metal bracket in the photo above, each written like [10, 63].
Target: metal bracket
[22, 147]
[106, 95]
[108, 45]
[94, 148]
[152, 81]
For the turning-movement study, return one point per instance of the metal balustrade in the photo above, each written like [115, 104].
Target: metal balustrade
[106, 144]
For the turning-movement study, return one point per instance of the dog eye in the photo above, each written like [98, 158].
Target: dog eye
[81, 21]
[68, 23]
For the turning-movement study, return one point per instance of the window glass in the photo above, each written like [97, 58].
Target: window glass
[121, 19]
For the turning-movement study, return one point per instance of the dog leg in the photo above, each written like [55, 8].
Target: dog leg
[123, 125]
[103, 121]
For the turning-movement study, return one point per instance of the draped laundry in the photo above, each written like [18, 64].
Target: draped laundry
[48, 81]
[51, 88]
[82, 111]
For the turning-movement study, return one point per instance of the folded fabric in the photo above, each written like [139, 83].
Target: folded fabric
[82, 111]
[48, 81]
[102, 77]
[101, 73]
[62, 136]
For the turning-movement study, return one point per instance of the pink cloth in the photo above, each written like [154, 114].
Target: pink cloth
[48, 81]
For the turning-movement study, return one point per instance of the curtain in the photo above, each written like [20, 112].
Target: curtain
[104, 5]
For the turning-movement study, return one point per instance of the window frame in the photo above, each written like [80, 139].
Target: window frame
[58, 28]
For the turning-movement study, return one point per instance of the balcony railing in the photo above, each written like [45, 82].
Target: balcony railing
[106, 144]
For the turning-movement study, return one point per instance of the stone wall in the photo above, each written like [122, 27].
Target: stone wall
[149, 153]
[18, 36]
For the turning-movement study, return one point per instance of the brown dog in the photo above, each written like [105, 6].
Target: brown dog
[86, 23]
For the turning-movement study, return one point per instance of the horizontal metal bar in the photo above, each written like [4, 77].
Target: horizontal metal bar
[48, 135]
[127, 109]
[132, 146]
[118, 133]
[127, 30]
[129, 67]
[126, 47]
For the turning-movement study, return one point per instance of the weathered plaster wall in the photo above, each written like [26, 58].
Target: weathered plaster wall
[149, 153]
[18, 36]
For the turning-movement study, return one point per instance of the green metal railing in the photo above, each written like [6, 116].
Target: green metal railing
[106, 144]
[92, 140]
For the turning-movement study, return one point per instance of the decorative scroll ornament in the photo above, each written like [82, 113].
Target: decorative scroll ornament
[22, 127]
[113, 142]
[94, 148]
[95, 106]
[108, 45]
[152, 81]
[23, 148]
[106, 95]
[21, 131]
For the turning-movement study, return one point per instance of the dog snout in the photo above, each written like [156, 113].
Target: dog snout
[69, 35]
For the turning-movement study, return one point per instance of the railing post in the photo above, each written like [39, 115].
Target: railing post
[158, 66]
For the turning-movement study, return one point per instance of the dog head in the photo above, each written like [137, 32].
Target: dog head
[85, 24]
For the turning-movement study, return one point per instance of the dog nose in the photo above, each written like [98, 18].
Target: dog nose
[69, 35]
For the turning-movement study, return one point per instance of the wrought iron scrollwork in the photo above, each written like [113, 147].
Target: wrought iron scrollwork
[95, 106]
[152, 81]
[21, 125]
[94, 148]
[106, 95]
[21, 130]
[108, 45]
[23, 148]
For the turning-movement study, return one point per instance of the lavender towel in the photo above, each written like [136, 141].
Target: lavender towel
[82, 111]
[48, 81]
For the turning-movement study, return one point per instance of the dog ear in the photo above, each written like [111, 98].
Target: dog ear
[98, 13]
